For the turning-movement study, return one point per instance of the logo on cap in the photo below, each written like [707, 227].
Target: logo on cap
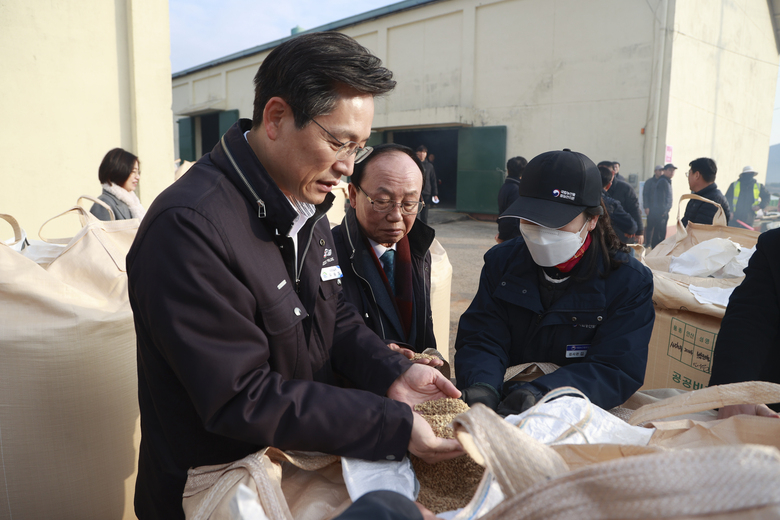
[556, 193]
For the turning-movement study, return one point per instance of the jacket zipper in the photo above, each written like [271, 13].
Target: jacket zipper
[352, 263]
[260, 204]
[308, 243]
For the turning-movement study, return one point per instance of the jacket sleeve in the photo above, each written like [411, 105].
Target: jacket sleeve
[632, 208]
[750, 328]
[100, 212]
[483, 334]
[668, 196]
[205, 324]
[435, 182]
[616, 361]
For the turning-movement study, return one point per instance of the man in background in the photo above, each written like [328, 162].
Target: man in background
[623, 224]
[746, 196]
[624, 193]
[510, 192]
[660, 205]
[430, 194]
[647, 197]
[701, 181]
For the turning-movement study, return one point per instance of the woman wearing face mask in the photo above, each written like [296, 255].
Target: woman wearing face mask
[566, 292]
[119, 174]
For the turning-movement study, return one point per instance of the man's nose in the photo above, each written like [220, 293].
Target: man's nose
[345, 167]
[394, 215]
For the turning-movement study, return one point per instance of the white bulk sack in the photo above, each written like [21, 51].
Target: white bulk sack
[68, 385]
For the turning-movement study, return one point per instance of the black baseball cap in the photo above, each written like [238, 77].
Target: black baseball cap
[670, 166]
[556, 187]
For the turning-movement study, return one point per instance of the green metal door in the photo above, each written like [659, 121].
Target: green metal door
[481, 163]
[186, 139]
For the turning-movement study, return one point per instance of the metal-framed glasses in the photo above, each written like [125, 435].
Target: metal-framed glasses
[385, 205]
[347, 149]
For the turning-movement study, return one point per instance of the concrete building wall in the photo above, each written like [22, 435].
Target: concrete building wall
[80, 78]
[722, 85]
[614, 79]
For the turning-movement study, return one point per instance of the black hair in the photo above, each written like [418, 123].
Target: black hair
[608, 164]
[706, 167]
[606, 176]
[605, 241]
[310, 71]
[116, 167]
[515, 167]
[422, 148]
[379, 150]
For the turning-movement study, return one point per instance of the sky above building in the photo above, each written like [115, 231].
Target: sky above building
[204, 30]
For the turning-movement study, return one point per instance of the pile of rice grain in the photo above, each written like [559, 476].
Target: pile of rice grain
[450, 484]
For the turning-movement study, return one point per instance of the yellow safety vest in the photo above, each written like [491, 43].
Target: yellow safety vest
[738, 186]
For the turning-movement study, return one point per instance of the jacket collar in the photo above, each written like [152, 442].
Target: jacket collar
[238, 162]
[420, 237]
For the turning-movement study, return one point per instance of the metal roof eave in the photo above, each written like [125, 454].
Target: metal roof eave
[340, 24]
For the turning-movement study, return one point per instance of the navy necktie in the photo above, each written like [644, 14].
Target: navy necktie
[388, 264]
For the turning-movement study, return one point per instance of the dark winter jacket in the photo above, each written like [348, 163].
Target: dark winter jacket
[509, 192]
[622, 222]
[364, 288]
[624, 193]
[661, 199]
[748, 344]
[702, 212]
[610, 320]
[236, 350]
[431, 184]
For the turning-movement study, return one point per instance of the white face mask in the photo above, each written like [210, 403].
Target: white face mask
[549, 246]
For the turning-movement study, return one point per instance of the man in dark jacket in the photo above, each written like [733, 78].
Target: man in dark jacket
[624, 193]
[509, 192]
[622, 223]
[647, 197]
[241, 323]
[746, 196]
[430, 193]
[383, 248]
[660, 204]
[701, 181]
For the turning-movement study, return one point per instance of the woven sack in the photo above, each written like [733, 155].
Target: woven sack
[288, 485]
[717, 483]
[68, 394]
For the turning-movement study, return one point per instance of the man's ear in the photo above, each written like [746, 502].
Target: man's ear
[352, 195]
[273, 116]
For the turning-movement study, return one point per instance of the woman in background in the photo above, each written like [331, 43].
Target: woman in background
[119, 174]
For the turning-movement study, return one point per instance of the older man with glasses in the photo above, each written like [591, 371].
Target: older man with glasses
[383, 248]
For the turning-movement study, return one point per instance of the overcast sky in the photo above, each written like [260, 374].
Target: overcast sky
[204, 30]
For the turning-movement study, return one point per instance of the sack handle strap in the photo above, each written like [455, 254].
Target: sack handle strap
[99, 203]
[85, 216]
[751, 392]
[720, 216]
[15, 225]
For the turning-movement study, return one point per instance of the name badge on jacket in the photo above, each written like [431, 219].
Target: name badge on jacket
[574, 351]
[331, 273]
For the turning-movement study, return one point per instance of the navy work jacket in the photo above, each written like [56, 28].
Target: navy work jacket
[597, 332]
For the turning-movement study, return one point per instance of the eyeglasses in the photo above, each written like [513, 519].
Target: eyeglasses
[385, 206]
[348, 148]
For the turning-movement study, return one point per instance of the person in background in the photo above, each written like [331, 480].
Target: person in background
[244, 337]
[624, 193]
[647, 197]
[119, 174]
[567, 292]
[748, 344]
[701, 181]
[620, 221]
[508, 227]
[660, 204]
[383, 248]
[430, 194]
[746, 196]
